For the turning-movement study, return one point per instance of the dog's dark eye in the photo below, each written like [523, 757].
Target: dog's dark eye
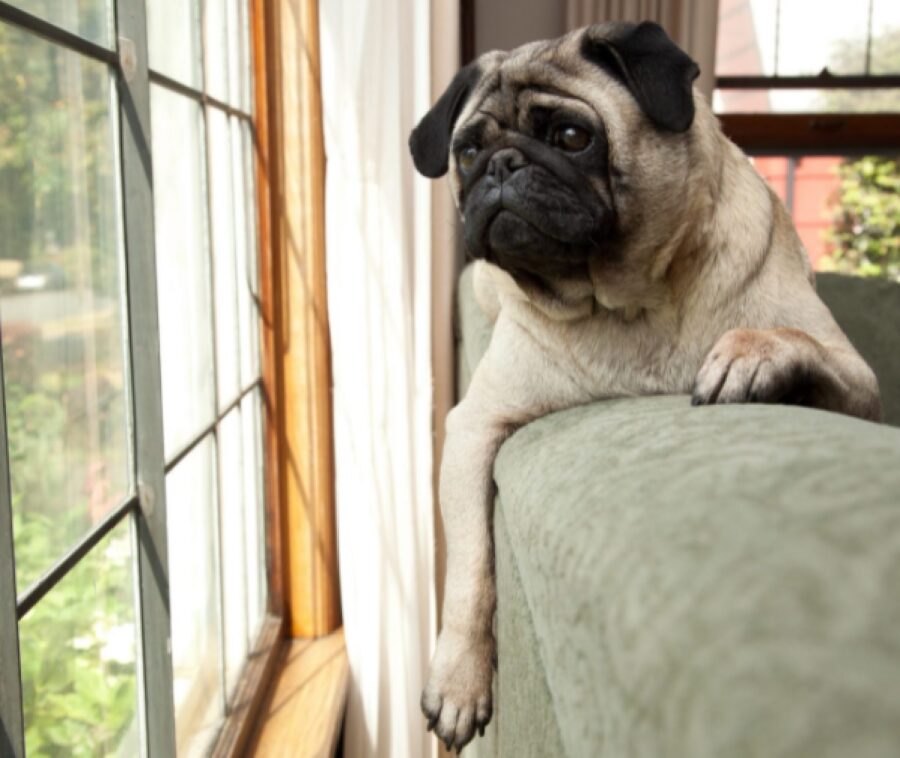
[573, 139]
[466, 157]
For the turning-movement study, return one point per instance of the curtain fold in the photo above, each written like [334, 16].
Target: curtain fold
[375, 82]
[691, 23]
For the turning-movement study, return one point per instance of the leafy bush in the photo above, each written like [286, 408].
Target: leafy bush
[866, 225]
[77, 650]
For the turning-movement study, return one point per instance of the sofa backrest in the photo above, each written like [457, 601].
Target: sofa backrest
[868, 310]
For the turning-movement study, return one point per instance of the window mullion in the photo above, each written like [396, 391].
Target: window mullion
[12, 724]
[152, 553]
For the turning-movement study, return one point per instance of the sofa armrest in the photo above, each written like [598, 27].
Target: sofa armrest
[697, 582]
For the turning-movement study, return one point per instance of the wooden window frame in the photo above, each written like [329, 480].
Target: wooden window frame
[812, 133]
[304, 594]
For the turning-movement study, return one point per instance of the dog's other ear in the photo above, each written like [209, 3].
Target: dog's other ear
[429, 142]
[656, 71]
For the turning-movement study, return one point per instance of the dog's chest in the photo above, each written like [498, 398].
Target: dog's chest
[608, 356]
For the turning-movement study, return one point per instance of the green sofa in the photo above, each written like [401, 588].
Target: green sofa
[680, 582]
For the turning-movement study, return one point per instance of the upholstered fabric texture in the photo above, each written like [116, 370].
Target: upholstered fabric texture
[719, 581]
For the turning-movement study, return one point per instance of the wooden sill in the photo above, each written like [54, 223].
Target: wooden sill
[248, 697]
[304, 711]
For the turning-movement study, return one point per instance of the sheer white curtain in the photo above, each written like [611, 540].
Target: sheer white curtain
[375, 82]
[691, 23]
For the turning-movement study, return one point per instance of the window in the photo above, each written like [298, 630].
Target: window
[811, 89]
[132, 530]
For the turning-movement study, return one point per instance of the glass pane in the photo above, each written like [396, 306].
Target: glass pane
[173, 32]
[243, 98]
[223, 239]
[228, 52]
[837, 39]
[194, 599]
[745, 37]
[61, 284]
[806, 101]
[182, 267]
[237, 52]
[846, 209]
[216, 23]
[885, 55]
[235, 520]
[91, 19]
[245, 236]
[802, 37]
[78, 658]
[255, 535]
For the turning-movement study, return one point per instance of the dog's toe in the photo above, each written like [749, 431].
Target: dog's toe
[457, 698]
[465, 727]
[445, 728]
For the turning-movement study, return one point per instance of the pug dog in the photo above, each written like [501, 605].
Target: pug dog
[624, 246]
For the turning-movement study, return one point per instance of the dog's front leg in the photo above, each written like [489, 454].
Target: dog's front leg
[457, 698]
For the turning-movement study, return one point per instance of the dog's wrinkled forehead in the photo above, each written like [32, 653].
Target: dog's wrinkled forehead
[552, 66]
[638, 59]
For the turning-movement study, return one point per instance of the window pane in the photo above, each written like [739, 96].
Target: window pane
[61, 283]
[223, 238]
[244, 97]
[235, 520]
[78, 658]
[846, 209]
[216, 23]
[885, 55]
[194, 599]
[238, 54]
[802, 37]
[255, 536]
[228, 52]
[173, 31]
[245, 236]
[806, 101]
[743, 37]
[837, 39]
[182, 261]
[91, 19]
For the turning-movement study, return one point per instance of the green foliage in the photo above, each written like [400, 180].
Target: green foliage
[865, 231]
[58, 208]
[57, 174]
[866, 221]
[77, 649]
[78, 688]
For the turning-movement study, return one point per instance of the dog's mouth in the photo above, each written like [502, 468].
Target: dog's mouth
[529, 224]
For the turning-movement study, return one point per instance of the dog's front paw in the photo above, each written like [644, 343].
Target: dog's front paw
[758, 366]
[457, 699]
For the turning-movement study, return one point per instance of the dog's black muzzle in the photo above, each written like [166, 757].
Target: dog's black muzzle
[525, 217]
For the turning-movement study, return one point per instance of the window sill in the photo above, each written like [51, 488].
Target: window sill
[305, 706]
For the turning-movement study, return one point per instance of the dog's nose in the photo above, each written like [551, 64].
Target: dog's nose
[504, 163]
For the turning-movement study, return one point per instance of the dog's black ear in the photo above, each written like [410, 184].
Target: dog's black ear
[656, 71]
[429, 142]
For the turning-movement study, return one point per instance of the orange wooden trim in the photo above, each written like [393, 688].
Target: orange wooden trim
[821, 133]
[299, 339]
